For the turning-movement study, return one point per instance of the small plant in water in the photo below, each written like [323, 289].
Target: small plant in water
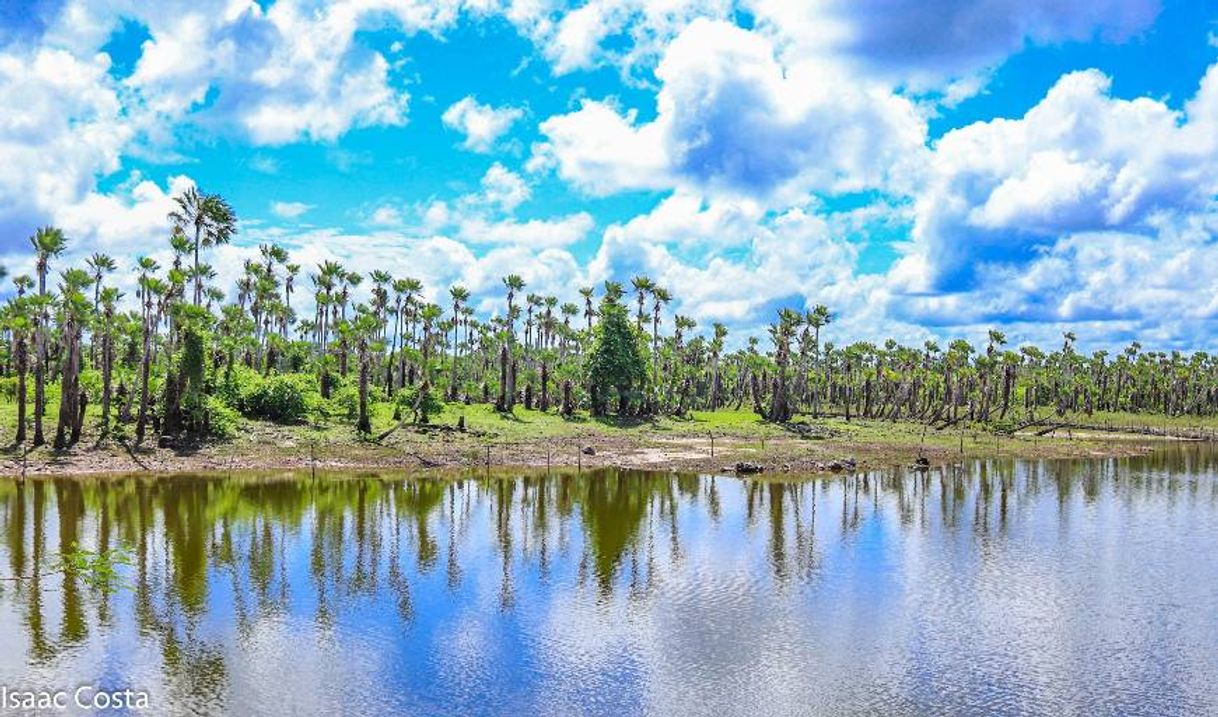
[98, 569]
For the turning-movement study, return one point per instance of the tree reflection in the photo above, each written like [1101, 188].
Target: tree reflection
[249, 552]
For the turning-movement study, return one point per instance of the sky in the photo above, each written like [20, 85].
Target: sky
[926, 170]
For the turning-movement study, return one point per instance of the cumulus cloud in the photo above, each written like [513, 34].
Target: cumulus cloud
[577, 38]
[279, 75]
[794, 258]
[933, 42]
[289, 210]
[481, 124]
[1080, 160]
[533, 233]
[1090, 211]
[731, 119]
[63, 127]
[503, 187]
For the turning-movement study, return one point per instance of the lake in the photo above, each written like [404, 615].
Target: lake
[992, 588]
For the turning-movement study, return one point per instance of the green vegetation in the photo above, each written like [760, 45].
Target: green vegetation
[99, 569]
[372, 355]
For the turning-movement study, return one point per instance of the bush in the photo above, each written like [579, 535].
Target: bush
[220, 420]
[8, 388]
[285, 398]
[430, 406]
[345, 401]
[236, 382]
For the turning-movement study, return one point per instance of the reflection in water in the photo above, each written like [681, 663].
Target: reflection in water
[996, 588]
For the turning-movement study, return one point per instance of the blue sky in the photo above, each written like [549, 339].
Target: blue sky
[929, 169]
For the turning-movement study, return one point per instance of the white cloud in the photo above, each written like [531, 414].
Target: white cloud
[289, 210]
[934, 42]
[503, 187]
[278, 76]
[732, 120]
[1080, 160]
[481, 124]
[534, 233]
[794, 259]
[63, 126]
[386, 216]
[575, 39]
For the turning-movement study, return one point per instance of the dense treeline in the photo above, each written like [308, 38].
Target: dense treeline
[186, 360]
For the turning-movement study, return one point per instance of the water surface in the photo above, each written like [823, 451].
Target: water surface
[1079, 587]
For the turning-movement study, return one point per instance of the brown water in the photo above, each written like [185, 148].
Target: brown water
[998, 588]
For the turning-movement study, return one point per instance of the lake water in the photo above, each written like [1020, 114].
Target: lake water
[995, 588]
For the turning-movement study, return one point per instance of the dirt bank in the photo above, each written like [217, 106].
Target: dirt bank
[266, 447]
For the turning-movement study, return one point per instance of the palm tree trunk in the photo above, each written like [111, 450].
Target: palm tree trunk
[198, 279]
[39, 381]
[107, 359]
[141, 421]
[69, 393]
[364, 425]
[22, 359]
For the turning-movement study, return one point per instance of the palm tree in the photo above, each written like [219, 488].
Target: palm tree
[211, 220]
[642, 286]
[459, 295]
[513, 283]
[716, 349]
[150, 286]
[662, 297]
[99, 265]
[365, 326]
[74, 309]
[17, 320]
[613, 292]
[589, 309]
[289, 281]
[507, 374]
[781, 333]
[48, 242]
[109, 297]
[405, 289]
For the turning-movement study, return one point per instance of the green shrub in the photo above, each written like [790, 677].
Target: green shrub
[285, 398]
[236, 382]
[345, 401]
[221, 420]
[8, 388]
[405, 400]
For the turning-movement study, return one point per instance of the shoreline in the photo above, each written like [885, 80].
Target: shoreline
[441, 448]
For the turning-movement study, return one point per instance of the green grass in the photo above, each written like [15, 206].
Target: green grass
[524, 424]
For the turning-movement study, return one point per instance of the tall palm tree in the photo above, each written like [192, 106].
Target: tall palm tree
[48, 242]
[206, 217]
[18, 321]
[289, 284]
[74, 309]
[99, 265]
[150, 287]
[662, 297]
[459, 295]
[642, 286]
[507, 384]
[109, 297]
[514, 284]
[589, 309]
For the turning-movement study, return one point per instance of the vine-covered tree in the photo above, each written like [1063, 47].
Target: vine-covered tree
[616, 366]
